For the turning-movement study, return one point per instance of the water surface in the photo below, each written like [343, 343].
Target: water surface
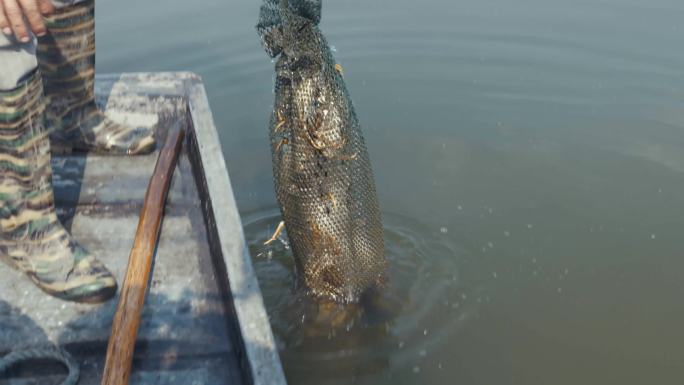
[528, 158]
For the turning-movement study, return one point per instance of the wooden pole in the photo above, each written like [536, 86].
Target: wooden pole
[127, 318]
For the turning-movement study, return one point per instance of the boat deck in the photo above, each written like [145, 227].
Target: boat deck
[204, 320]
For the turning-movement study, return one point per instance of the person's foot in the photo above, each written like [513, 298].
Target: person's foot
[66, 58]
[86, 128]
[31, 237]
[60, 266]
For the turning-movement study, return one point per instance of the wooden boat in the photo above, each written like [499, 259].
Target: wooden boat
[204, 321]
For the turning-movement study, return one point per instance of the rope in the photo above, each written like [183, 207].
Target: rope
[51, 353]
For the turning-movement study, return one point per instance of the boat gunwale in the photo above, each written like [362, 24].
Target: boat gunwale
[258, 353]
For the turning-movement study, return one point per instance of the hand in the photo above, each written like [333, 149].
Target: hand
[13, 13]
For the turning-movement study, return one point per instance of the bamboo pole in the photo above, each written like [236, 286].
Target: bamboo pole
[131, 300]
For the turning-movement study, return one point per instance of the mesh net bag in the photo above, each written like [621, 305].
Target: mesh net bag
[322, 173]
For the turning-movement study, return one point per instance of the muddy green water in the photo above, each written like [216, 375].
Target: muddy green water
[529, 163]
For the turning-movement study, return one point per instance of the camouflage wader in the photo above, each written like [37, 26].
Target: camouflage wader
[32, 238]
[46, 91]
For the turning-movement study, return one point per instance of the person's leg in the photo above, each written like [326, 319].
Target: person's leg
[66, 57]
[31, 237]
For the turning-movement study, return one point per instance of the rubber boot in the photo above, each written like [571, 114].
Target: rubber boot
[32, 238]
[66, 57]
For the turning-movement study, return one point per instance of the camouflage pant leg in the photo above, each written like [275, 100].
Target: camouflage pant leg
[18, 59]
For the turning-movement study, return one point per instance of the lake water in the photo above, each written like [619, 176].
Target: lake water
[529, 164]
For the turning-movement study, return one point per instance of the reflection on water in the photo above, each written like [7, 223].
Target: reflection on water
[390, 333]
[533, 149]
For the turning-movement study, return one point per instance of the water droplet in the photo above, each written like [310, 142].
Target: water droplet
[529, 225]
[443, 230]
[495, 275]
[416, 369]
[459, 207]
[652, 236]
[422, 353]
[425, 332]
[490, 245]
[507, 233]
[560, 289]
[401, 344]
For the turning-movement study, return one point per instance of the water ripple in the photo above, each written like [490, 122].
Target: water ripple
[424, 304]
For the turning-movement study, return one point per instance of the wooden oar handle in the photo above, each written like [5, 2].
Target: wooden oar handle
[127, 318]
